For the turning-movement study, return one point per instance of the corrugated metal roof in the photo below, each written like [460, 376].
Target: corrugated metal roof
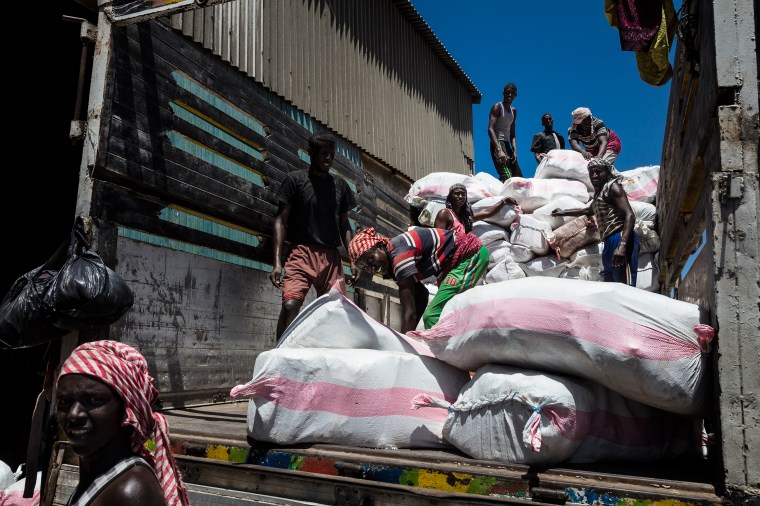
[407, 8]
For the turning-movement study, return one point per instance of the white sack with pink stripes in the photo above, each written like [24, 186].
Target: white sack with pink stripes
[641, 183]
[333, 321]
[437, 184]
[532, 193]
[349, 397]
[522, 416]
[643, 345]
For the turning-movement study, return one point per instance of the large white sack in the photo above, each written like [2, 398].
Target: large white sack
[648, 272]
[643, 345]
[564, 164]
[531, 233]
[504, 270]
[517, 416]
[333, 321]
[649, 240]
[544, 213]
[544, 266]
[491, 183]
[623, 430]
[518, 252]
[430, 211]
[520, 416]
[437, 184]
[533, 193]
[349, 397]
[644, 211]
[641, 183]
[7, 478]
[488, 233]
[503, 217]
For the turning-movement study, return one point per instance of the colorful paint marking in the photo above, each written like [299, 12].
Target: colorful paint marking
[408, 476]
[203, 223]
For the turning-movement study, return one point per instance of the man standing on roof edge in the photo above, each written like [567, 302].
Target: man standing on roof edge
[501, 132]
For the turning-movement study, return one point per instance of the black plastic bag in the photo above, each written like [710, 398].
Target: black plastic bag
[72, 290]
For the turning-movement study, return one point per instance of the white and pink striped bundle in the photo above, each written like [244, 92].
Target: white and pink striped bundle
[641, 184]
[350, 397]
[333, 321]
[527, 417]
[437, 184]
[645, 346]
[531, 193]
[564, 164]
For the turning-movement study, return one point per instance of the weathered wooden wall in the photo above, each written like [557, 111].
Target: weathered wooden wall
[709, 183]
[192, 153]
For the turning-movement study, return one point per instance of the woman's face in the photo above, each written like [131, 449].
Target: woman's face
[458, 197]
[88, 412]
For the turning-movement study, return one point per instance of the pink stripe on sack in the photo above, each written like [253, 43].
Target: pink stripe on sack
[645, 191]
[564, 318]
[339, 399]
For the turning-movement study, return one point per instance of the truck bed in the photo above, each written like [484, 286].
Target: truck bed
[216, 433]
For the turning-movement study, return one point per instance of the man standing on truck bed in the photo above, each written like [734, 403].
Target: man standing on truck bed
[615, 220]
[313, 208]
[501, 132]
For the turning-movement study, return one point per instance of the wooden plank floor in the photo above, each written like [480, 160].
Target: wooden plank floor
[216, 422]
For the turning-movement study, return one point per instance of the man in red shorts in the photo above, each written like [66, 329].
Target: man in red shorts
[313, 209]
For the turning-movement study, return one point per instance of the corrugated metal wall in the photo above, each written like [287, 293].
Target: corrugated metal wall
[362, 68]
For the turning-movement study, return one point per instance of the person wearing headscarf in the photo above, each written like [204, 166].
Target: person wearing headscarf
[458, 214]
[457, 261]
[103, 406]
[615, 219]
[589, 136]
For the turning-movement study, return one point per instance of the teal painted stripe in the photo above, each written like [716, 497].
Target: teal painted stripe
[217, 132]
[210, 227]
[218, 103]
[181, 142]
[303, 155]
[173, 244]
[305, 120]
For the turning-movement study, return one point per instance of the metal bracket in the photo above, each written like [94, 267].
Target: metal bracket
[730, 187]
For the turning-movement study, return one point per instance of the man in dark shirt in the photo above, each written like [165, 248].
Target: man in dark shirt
[545, 141]
[313, 208]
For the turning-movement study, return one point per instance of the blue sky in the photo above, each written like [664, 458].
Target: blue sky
[561, 55]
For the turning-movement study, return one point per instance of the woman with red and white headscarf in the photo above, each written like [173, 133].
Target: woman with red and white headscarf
[103, 406]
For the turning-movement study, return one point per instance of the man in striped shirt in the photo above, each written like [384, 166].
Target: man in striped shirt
[457, 261]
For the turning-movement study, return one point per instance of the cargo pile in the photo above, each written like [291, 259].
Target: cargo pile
[539, 365]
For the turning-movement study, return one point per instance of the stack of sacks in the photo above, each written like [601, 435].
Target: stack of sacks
[338, 376]
[644, 346]
[533, 240]
[352, 397]
[640, 185]
[528, 417]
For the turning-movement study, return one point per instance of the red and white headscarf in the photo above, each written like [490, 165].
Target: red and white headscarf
[125, 370]
[363, 241]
